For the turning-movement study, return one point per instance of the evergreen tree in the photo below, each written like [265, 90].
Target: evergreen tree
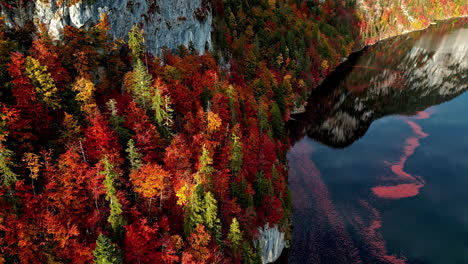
[116, 121]
[249, 254]
[234, 235]
[161, 105]
[236, 155]
[194, 211]
[239, 191]
[210, 219]
[136, 43]
[277, 121]
[262, 186]
[8, 177]
[230, 94]
[106, 252]
[202, 210]
[205, 168]
[133, 155]
[262, 118]
[115, 218]
[140, 86]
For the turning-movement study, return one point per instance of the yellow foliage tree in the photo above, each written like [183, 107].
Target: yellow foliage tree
[149, 180]
[85, 89]
[43, 82]
[214, 122]
[33, 163]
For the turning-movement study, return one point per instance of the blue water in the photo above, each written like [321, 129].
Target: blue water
[414, 107]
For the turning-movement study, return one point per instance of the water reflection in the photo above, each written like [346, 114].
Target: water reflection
[347, 192]
[400, 76]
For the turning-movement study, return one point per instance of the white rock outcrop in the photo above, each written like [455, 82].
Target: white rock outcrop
[272, 243]
[167, 23]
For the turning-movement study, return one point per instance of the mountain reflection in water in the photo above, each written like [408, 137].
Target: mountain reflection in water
[373, 154]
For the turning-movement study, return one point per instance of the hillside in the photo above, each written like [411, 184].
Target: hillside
[153, 131]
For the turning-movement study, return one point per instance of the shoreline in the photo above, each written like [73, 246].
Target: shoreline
[284, 255]
[302, 108]
[407, 31]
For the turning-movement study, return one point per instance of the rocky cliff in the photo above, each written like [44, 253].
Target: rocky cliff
[272, 243]
[167, 23]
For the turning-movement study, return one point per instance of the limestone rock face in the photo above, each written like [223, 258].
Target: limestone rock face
[167, 23]
[272, 243]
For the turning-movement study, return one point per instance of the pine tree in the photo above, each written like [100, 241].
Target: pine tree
[202, 210]
[133, 155]
[277, 121]
[194, 211]
[234, 235]
[230, 94]
[211, 220]
[116, 120]
[140, 86]
[205, 168]
[136, 43]
[8, 177]
[239, 191]
[161, 105]
[250, 255]
[262, 186]
[262, 118]
[106, 252]
[236, 155]
[115, 218]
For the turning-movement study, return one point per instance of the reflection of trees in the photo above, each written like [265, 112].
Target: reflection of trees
[400, 76]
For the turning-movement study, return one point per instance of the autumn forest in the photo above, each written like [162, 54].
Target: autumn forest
[111, 154]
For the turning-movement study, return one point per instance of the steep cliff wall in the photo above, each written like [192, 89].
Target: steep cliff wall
[167, 23]
[272, 243]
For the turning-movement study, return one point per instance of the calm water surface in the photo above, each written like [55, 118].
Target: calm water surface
[379, 163]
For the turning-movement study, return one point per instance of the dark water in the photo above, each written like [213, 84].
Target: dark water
[379, 167]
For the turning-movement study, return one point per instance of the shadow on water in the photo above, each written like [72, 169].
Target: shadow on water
[400, 76]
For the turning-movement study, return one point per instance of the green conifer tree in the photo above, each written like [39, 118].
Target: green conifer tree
[210, 218]
[115, 218]
[140, 87]
[133, 155]
[236, 155]
[205, 169]
[8, 177]
[277, 121]
[106, 252]
[239, 191]
[161, 105]
[116, 121]
[234, 235]
[136, 43]
[262, 186]
[194, 211]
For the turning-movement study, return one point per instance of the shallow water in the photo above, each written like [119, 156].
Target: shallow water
[379, 163]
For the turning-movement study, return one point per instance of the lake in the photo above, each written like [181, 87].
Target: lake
[379, 160]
